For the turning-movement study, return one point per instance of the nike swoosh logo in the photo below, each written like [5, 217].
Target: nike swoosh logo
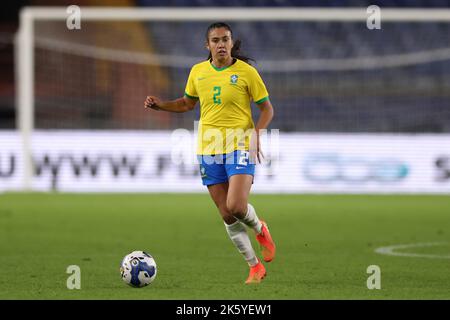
[240, 168]
[201, 78]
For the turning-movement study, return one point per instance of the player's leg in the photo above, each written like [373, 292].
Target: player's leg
[235, 229]
[237, 201]
[240, 173]
[218, 193]
[237, 204]
[214, 176]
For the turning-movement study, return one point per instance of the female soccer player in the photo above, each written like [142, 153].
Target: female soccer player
[225, 84]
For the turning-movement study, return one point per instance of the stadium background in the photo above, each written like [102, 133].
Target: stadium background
[358, 110]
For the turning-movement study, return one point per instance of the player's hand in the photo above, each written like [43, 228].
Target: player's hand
[255, 148]
[152, 102]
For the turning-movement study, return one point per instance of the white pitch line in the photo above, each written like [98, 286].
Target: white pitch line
[390, 250]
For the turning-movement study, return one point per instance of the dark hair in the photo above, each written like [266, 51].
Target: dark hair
[236, 50]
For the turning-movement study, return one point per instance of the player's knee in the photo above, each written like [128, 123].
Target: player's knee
[226, 215]
[237, 208]
[229, 219]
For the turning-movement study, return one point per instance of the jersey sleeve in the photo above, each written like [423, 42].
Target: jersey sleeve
[190, 91]
[257, 88]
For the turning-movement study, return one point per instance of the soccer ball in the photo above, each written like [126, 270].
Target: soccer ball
[138, 269]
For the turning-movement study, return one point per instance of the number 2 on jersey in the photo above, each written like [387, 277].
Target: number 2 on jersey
[216, 95]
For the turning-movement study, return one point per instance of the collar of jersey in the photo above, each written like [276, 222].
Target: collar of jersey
[223, 68]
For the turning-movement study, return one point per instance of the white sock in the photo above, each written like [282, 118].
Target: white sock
[251, 219]
[238, 235]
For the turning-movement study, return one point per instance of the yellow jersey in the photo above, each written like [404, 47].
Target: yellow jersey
[225, 95]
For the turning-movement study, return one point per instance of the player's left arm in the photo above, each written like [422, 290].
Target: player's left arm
[258, 91]
[265, 117]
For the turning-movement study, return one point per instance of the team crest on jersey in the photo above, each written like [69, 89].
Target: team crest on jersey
[234, 79]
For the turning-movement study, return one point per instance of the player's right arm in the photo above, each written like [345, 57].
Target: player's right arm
[186, 103]
[183, 104]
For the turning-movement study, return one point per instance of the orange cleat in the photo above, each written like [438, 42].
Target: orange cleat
[257, 273]
[266, 242]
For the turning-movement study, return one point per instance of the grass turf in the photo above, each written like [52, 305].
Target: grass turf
[325, 244]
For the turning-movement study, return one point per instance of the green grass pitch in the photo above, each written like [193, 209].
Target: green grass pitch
[325, 244]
